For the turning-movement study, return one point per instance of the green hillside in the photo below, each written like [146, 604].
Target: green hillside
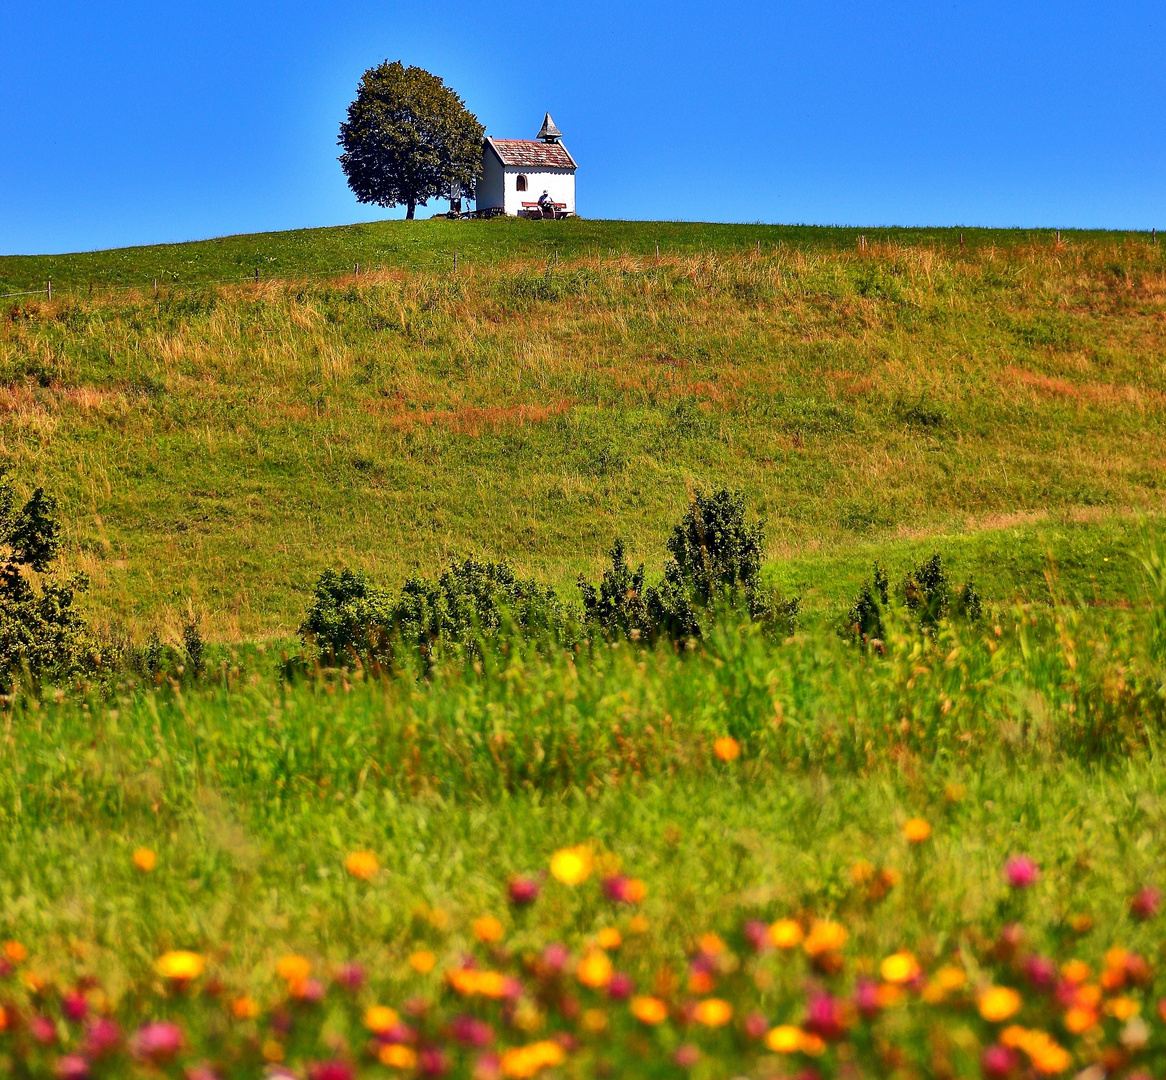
[219, 445]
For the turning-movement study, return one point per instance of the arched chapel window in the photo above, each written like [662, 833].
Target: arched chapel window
[521, 183]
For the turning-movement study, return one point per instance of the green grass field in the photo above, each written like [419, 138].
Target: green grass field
[216, 446]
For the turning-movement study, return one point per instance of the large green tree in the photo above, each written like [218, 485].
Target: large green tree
[409, 138]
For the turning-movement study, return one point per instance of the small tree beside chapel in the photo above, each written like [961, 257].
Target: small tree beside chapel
[409, 138]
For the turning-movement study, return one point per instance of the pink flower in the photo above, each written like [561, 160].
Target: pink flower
[621, 986]
[1020, 872]
[1146, 903]
[43, 1030]
[72, 1067]
[351, 976]
[523, 891]
[616, 888]
[330, 1070]
[824, 1017]
[757, 934]
[157, 1042]
[432, 1061]
[756, 1025]
[398, 1033]
[997, 1061]
[556, 957]
[686, 1056]
[866, 998]
[470, 1031]
[75, 1007]
[102, 1036]
[487, 1067]
[1041, 972]
[201, 1072]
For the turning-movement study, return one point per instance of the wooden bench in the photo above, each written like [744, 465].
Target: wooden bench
[535, 210]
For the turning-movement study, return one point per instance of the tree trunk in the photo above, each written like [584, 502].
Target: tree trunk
[411, 210]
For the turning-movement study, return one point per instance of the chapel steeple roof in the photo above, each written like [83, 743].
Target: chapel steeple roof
[548, 132]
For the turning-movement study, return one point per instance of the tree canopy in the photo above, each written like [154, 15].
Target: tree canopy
[409, 138]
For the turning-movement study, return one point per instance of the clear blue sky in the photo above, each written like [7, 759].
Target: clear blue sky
[131, 122]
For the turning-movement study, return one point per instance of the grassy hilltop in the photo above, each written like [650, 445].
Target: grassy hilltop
[937, 853]
[220, 444]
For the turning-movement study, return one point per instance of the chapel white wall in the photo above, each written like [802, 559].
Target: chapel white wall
[558, 183]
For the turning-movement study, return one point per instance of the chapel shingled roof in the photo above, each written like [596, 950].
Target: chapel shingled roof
[532, 154]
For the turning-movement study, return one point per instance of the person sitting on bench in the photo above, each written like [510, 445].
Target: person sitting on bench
[546, 204]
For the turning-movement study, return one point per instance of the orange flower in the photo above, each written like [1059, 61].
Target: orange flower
[380, 1018]
[998, 1003]
[786, 934]
[397, 1056]
[145, 860]
[824, 937]
[634, 891]
[1122, 1008]
[900, 967]
[293, 969]
[916, 830]
[1075, 971]
[713, 1012]
[488, 929]
[422, 961]
[362, 864]
[572, 866]
[1079, 1019]
[14, 952]
[594, 970]
[711, 945]
[593, 1021]
[609, 938]
[727, 748]
[649, 1010]
[3, 1019]
[701, 982]
[638, 925]
[180, 965]
[244, 1008]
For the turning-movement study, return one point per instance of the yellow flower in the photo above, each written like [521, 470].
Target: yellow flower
[1122, 1008]
[784, 1039]
[916, 830]
[145, 860]
[397, 1056]
[638, 925]
[862, 872]
[649, 1010]
[422, 961]
[824, 937]
[521, 1062]
[1052, 1060]
[945, 981]
[293, 969]
[786, 934]
[488, 929]
[572, 866]
[362, 864]
[713, 1012]
[998, 1003]
[609, 938]
[244, 1008]
[727, 748]
[380, 1018]
[900, 967]
[594, 970]
[180, 965]
[272, 1050]
[594, 1021]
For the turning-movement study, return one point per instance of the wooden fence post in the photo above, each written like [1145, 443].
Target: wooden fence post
[257, 275]
[155, 288]
[49, 288]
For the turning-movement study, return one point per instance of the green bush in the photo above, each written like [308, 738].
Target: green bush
[351, 617]
[41, 631]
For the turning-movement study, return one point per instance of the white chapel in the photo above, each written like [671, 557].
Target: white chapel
[527, 177]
